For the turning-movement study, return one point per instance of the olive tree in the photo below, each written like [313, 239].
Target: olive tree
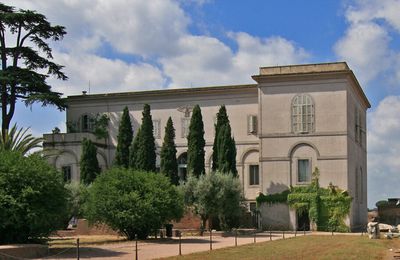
[215, 195]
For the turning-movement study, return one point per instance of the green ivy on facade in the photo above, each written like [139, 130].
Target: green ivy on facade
[327, 207]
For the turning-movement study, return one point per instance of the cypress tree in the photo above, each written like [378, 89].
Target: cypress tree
[89, 165]
[125, 136]
[168, 163]
[146, 151]
[222, 119]
[226, 151]
[196, 144]
[133, 148]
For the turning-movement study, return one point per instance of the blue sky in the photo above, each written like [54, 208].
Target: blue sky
[126, 45]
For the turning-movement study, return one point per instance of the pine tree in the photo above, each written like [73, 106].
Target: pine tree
[224, 147]
[146, 151]
[125, 136]
[196, 144]
[222, 119]
[226, 151]
[169, 164]
[89, 165]
[133, 148]
[27, 62]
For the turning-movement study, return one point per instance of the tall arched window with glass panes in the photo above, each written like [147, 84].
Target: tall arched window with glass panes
[302, 114]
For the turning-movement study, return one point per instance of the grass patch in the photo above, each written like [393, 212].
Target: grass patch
[308, 247]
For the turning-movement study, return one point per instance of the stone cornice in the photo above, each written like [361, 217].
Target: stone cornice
[279, 135]
[319, 158]
[164, 93]
[313, 72]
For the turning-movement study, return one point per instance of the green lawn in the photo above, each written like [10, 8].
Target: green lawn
[308, 247]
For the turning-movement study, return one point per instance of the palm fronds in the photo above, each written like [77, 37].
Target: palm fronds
[19, 140]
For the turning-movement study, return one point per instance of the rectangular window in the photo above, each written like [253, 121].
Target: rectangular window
[253, 206]
[66, 172]
[156, 128]
[303, 170]
[185, 126]
[252, 124]
[254, 175]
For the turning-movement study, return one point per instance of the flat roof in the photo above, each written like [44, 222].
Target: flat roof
[173, 91]
[305, 68]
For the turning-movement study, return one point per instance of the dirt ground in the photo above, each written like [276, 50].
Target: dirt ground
[160, 248]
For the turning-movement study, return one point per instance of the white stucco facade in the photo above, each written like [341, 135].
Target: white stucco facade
[295, 118]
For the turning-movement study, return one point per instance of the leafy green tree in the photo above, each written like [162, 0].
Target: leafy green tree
[146, 152]
[196, 144]
[133, 202]
[169, 164]
[18, 140]
[125, 136]
[133, 150]
[226, 151]
[222, 119]
[231, 202]
[76, 199]
[215, 195]
[26, 63]
[33, 200]
[100, 124]
[89, 164]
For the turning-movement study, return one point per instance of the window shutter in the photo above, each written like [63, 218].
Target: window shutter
[252, 124]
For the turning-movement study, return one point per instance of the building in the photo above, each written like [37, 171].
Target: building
[295, 118]
[389, 211]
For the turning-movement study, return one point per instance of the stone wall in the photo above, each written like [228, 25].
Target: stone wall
[276, 216]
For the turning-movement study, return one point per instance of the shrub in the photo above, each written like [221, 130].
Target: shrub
[76, 199]
[133, 202]
[33, 200]
[215, 195]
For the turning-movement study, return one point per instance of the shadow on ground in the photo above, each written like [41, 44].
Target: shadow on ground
[84, 252]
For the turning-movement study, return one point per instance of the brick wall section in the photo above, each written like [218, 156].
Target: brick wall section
[83, 228]
[189, 221]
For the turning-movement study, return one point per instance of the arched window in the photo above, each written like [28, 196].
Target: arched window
[302, 114]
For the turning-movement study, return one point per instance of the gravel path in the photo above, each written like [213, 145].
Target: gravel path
[165, 247]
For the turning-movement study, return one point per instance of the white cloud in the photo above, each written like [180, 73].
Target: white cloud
[369, 10]
[206, 60]
[105, 75]
[366, 43]
[202, 61]
[138, 27]
[384, 150]
[254, 52]
[365, 47]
